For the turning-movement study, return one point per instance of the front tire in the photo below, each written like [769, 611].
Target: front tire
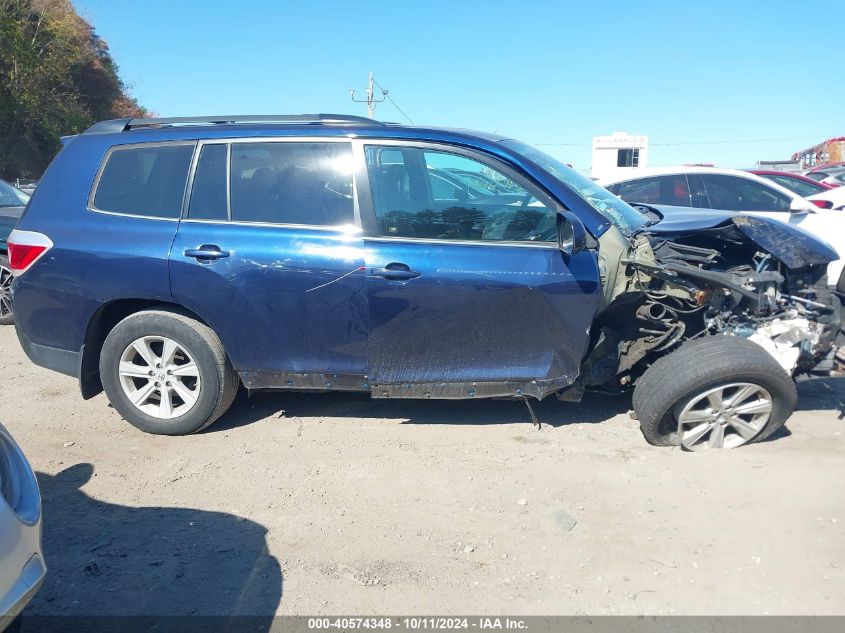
[7, 317]
[713, 392]
[166, 373]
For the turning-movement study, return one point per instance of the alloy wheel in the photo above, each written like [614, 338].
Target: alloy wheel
[5, 292]
[726, 416]
[159, 377]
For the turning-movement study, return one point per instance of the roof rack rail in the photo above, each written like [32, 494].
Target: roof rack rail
[123, 125]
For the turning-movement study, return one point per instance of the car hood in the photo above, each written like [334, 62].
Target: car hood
[792, 245]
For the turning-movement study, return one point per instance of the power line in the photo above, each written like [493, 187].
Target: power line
[720, 142]
[395, 105]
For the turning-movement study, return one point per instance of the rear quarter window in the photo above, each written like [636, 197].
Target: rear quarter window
[144, 180]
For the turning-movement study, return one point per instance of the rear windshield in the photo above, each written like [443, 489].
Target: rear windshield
[148, 181]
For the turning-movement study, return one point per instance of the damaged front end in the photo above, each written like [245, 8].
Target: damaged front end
[739, 276]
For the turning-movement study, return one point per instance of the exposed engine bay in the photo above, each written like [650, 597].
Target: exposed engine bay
[739, 278]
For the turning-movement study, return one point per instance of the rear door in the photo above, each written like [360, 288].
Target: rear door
[468, 293]
[270, 255]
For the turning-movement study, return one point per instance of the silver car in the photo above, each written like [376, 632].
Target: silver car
[833, 175]
[22, 566]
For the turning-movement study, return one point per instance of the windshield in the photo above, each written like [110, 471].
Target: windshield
[620, 213]
[11, 197]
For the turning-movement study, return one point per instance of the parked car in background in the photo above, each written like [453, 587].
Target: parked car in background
[738, 191]
[22, 566]
[12, 203]
[26, 185]
[479, 179]
[796, 183]
[169, 261]
[829, 175]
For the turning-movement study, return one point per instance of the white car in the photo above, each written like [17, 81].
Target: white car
[735, 190]
[835, 196]
[22, 567]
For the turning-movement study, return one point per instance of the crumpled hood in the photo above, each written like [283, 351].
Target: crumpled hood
[792, 245]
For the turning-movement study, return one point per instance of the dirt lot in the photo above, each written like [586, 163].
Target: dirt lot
[308, 504]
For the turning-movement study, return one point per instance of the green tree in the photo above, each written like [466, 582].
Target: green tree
[56, 77]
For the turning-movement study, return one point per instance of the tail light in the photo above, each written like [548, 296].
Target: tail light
[26, 248]
[823, 204]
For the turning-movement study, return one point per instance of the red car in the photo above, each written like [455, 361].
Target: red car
[797, 183]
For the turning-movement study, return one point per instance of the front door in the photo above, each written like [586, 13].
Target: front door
[270, 256]
[468, 293]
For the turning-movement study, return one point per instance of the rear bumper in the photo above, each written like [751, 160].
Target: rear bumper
[60, 360]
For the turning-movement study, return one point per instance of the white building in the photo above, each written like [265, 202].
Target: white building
[617, 154]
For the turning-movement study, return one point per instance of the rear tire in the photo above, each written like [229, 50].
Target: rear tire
[7, 317]
[718, 386]
[148, 352]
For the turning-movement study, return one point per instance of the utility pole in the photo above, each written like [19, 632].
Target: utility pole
[371, 100]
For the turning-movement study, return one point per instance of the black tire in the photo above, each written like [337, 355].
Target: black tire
[219, 381]
[703, 364]
[7, 317]
[840, 287]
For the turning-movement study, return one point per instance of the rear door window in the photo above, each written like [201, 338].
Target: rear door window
[671, 190]
[292, 183]
[801, 187]
[144, 180]
[734, 193]
[209, 199]
[643, 190]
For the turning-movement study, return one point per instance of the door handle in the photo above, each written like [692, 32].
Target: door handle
[395, 271]
[206, 252]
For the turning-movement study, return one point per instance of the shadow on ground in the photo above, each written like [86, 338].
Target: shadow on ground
[815, 394]
[247, 409]
[105, 559]
[822, 394]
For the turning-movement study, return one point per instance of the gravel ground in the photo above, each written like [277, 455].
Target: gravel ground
[333, 503]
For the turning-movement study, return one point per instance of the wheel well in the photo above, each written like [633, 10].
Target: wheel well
[101, 323]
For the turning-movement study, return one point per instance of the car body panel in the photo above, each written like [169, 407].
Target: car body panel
[286, 301]
[83, 270]
[834, 195]
[486, 319]
[22, 568]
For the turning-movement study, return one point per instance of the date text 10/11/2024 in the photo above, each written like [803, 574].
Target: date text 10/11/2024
[417, 623]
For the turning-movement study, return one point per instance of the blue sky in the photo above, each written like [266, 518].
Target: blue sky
[708, 81]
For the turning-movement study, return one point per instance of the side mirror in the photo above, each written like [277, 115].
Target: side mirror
[571, 233]
[799, 205]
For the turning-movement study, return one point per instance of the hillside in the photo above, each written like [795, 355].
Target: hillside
[56, 77]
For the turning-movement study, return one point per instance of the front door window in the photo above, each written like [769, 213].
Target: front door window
[439, 195]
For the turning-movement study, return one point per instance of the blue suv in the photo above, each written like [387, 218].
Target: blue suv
[170, 261]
